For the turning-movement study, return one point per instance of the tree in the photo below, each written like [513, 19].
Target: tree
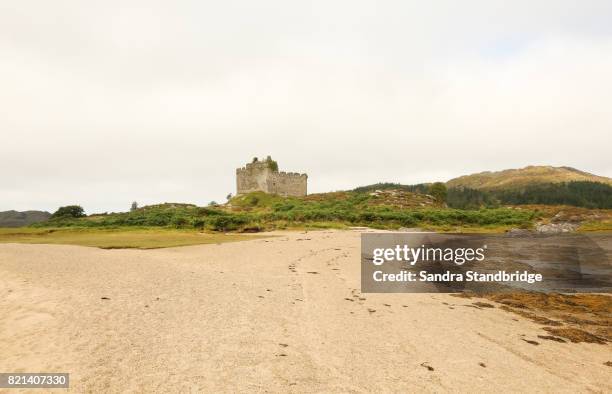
[134, 206]
[438, 191]
[229, 196]
[212, 204]
[69, 211]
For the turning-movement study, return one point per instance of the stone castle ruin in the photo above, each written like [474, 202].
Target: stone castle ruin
[264, 176]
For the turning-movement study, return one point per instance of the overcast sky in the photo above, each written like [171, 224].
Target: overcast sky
[107, 102]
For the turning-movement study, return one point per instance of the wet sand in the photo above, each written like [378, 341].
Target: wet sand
[280, 314]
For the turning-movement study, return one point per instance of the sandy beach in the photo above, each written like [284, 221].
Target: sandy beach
[280, 314]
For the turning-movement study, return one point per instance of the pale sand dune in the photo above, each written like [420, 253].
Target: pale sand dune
[237, 317]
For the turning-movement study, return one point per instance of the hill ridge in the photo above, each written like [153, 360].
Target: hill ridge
[14, 218]
[520, 177]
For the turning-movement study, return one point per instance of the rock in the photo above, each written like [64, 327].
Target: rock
[513, 232]
[554, 228]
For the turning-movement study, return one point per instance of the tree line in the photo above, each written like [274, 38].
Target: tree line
[580, 193]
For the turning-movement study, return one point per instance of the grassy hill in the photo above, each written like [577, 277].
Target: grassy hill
[20, 219]
[489, 201]
[520, 178]
[259, 211]
[390, 198]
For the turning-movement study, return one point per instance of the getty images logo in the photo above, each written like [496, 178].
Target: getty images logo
[411, 255]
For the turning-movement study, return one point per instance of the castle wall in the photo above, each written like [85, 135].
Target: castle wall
[287, 184]
[258, 176]
[253, 177]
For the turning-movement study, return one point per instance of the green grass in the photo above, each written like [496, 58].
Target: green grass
[117, 238]
[258, 211]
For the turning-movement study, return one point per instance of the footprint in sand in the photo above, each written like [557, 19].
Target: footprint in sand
[426, 365]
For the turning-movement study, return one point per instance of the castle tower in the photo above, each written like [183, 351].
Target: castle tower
[264, 176]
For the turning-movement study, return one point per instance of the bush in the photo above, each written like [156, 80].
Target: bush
[69, 211]
[228, 222]
[438, 191]
[198, 223]
[179, 221]
[208, 212]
